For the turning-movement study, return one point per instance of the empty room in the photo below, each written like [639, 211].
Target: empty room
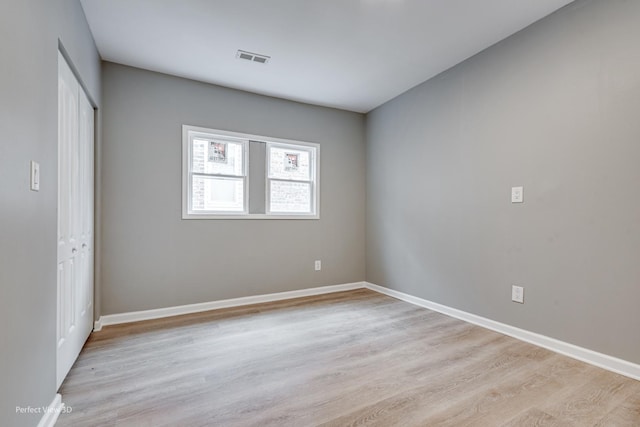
[319, 213]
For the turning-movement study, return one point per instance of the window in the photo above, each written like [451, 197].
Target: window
[218, 175]
[228, 175]
[290, 179]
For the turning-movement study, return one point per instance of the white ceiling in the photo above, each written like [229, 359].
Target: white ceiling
[349, 54]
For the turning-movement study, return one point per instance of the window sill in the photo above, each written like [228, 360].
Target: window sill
[249, 216]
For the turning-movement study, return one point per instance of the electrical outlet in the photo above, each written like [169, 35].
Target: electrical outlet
[517, 194]
[517, 294]
[318, 265]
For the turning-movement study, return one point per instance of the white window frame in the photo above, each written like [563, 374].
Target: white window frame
[313, 174]
[190, 132]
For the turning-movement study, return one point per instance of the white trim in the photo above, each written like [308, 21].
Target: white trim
[610, 363]
[314, 165]
[601, 360]
[189, 131]
[51, 412]
[136, 316]
[251, 216]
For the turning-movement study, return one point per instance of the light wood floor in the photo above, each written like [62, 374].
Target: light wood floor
[347, 359]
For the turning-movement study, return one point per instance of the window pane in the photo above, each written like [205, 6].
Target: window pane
[217, 194]
[286, 163]
[217, 157]
[294, 197]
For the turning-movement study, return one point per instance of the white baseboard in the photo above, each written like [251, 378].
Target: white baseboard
[600, 360]
[51, 412]
[136, 316]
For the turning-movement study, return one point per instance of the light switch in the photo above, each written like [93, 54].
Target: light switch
[517, 194]
[35, 176]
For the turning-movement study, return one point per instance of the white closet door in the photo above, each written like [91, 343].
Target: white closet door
[86, 218]
[75, 220]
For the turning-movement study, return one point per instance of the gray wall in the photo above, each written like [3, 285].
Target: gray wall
[555, 108]
[29, 34]
[152, 258]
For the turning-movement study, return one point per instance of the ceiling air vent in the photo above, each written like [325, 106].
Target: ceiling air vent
[254, 57]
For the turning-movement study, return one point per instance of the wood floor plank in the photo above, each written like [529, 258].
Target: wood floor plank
[352, 358]
[534, 417]
[627, 413]
[587, 403]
